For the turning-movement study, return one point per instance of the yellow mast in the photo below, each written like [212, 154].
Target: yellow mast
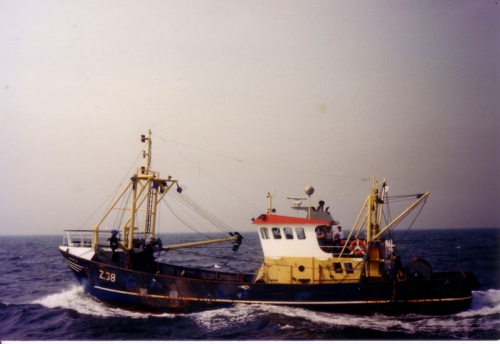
[270, 208]
[133, 211]
[374, 211]
[371, 212]
[148, 187]
[149, 224]
[145, 186]
[374, 205]
[148, 154]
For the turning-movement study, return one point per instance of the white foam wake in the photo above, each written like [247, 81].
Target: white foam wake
[226, 317]
[485, 303]
[76, 299]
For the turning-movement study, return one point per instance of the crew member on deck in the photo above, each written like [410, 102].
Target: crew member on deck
[329, 239]
[113, 244]
[321, 206]
[320, 235]
[337, 239]
[113, 240]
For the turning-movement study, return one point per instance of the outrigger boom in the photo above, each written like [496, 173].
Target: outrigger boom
[237, 238]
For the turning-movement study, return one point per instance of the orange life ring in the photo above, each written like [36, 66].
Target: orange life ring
[357, 247]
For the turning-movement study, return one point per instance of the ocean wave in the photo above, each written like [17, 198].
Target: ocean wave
[76, 299]
[484, 303]
[335, 320]
[482, 315]
[288, 318]
[220, 319]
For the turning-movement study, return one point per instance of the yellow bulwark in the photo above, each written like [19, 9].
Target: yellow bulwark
[289, 270]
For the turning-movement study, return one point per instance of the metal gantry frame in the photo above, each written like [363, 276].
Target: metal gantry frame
[147, 186]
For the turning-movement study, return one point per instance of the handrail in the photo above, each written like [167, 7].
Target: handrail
[86, 238]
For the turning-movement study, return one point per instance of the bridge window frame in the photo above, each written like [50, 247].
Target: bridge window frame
[264, 232]
[300, 232]
[276, 233]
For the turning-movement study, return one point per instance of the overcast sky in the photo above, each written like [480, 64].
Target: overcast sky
[242, 96]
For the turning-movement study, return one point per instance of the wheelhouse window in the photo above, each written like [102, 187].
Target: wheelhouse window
[276, 233]
[264, 233]
[288, 233]
[301, 235]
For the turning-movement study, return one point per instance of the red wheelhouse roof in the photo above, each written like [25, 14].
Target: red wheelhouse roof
[266, 219]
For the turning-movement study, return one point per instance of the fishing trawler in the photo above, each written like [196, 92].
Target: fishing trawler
[304, 264]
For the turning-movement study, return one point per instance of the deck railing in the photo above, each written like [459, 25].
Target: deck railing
[77, 238]
[84, 238]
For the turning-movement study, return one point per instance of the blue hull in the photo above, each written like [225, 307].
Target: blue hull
[177, 289]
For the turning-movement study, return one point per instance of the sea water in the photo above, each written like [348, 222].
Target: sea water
[41, 300]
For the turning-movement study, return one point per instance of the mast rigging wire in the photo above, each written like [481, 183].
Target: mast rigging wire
[416, 216]
[197, 166]
[260, 164]
[203, 212]
[121, 214]
[113, 193]
[184, 221]
[208, 175]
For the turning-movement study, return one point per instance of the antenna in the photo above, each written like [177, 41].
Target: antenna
[297, 202]
[309, 191]
[270, 209]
